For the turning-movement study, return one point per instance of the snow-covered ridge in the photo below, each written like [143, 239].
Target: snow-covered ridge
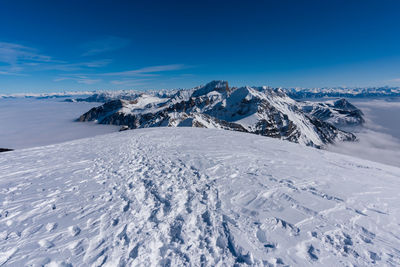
[258, 110]
[195, 197]
[340, 113]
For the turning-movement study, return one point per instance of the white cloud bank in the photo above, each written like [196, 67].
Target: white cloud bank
[379, 140]
[31, 122]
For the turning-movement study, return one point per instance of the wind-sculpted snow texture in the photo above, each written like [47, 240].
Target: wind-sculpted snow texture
[195, 197]
[258, 110]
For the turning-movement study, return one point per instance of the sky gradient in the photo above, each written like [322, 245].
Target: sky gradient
[49, 46]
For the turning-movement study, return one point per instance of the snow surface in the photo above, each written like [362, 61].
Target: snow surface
[190, 196]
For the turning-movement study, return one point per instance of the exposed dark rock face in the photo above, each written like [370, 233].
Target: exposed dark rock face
[258, 110]
[5, 149]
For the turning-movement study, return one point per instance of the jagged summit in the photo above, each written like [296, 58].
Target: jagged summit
[217, 86]
[344, 105]
[258, 110]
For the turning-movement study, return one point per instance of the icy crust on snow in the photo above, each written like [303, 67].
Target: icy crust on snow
[192, 197]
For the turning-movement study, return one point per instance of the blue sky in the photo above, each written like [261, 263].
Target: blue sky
[85, 45]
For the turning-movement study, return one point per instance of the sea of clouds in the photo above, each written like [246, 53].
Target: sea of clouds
[30, 122]
[379, 139]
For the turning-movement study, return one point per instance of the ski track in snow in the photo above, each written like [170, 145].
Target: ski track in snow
[195, 197]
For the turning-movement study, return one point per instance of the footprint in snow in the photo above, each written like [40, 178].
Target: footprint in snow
[51, 226]
[74, 230]
[45, 244]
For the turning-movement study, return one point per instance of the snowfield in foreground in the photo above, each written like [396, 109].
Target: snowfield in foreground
[189, 196]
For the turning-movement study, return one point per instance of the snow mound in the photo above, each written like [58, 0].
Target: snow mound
[192, 197]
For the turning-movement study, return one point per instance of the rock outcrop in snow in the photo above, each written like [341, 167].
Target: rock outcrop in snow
[258, 110]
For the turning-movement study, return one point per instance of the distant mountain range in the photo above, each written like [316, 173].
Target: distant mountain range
[302, 93]
[296, 93]
[48, 95]
[258, 110]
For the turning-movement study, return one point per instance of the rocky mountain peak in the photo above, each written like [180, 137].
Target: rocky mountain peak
[344, 104]
[218, 86]
[258, 110]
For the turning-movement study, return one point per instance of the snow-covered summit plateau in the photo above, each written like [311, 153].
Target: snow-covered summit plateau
[195, 197]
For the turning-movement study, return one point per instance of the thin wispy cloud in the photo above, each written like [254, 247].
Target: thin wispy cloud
[129, 82]
[122, 78]
[20, 60]
[13, 54]
[106, 44]
[89, 81]
[78, 79]
[17, 59]
[76, 66]
[148, 71]
[11, 73]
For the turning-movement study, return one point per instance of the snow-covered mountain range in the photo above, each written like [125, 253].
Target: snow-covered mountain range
[296, 93]
[107, 96]
[302, 93]
[78, 94]
[195, 197]
[259, 110]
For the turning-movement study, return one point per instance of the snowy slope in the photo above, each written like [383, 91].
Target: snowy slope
[190, 196]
